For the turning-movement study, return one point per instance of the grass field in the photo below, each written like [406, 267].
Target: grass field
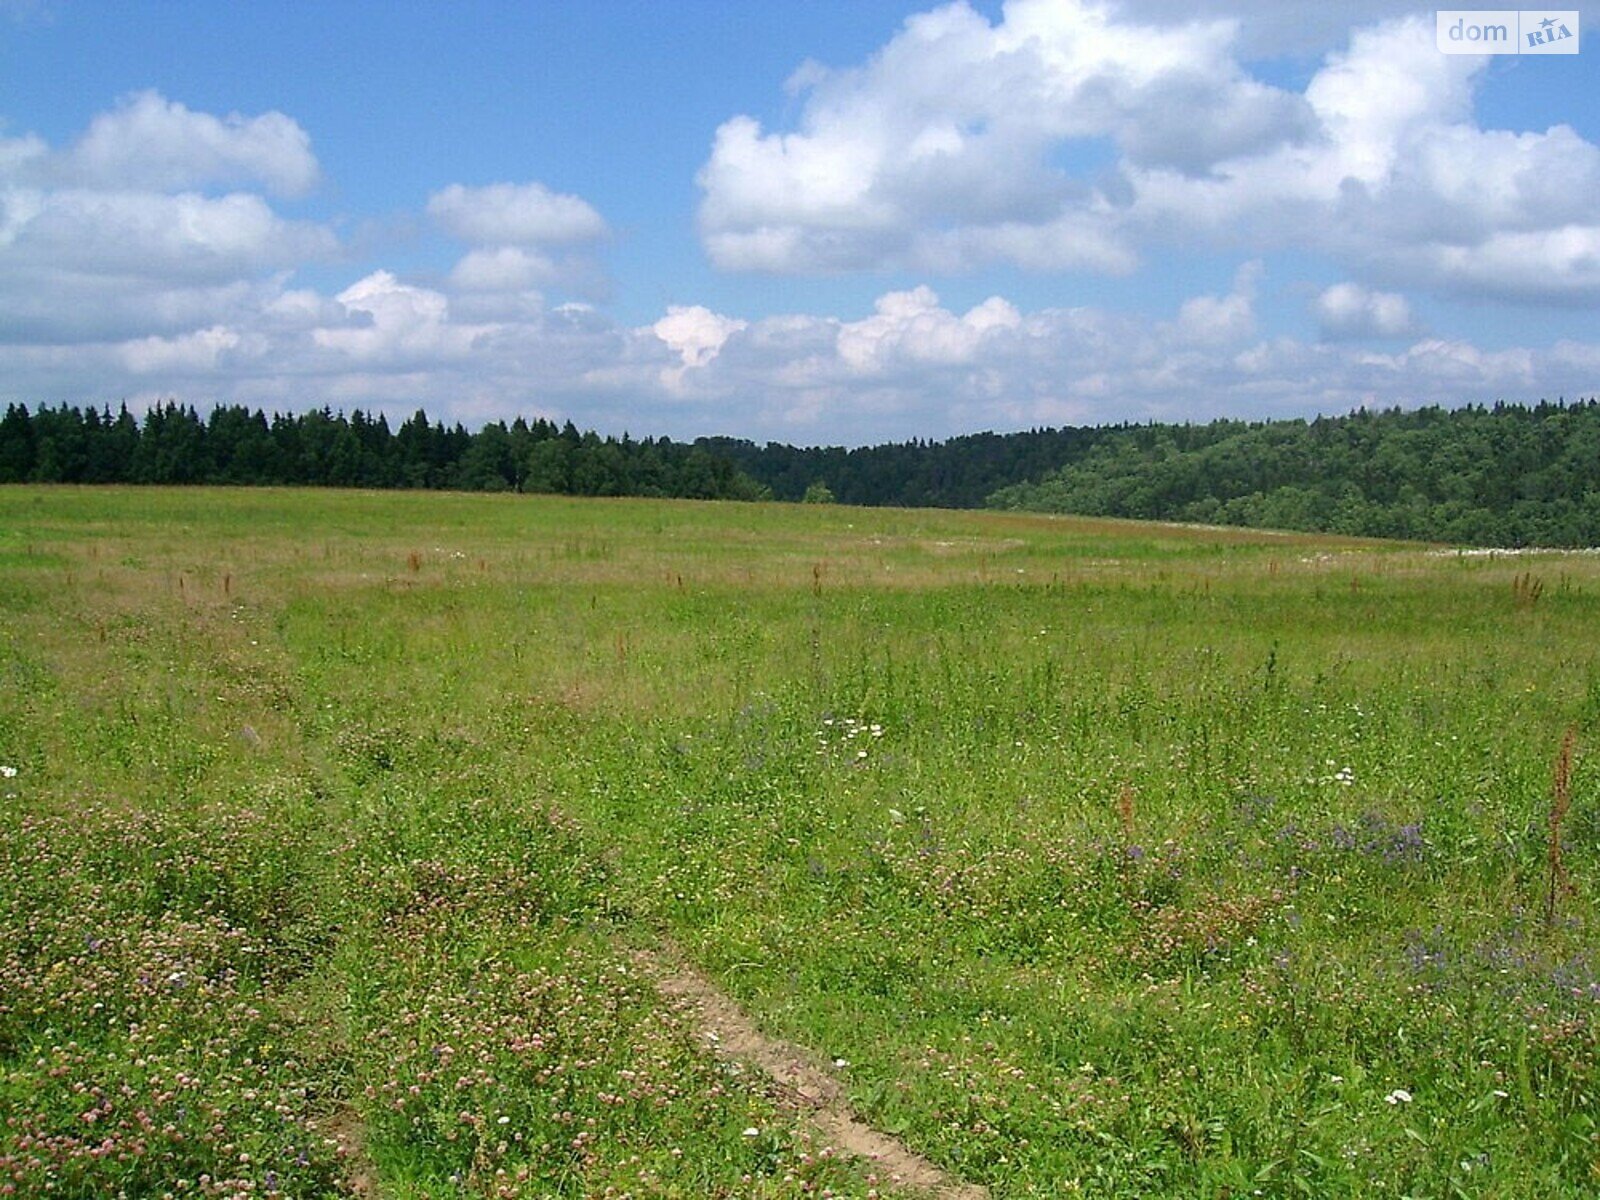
[1097, 859]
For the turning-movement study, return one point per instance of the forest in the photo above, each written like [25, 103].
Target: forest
[321, 448]
[1506, 475]
[1509, 475]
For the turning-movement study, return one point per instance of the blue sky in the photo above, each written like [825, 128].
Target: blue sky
[820, 222]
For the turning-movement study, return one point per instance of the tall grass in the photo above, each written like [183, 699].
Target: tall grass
[1107, 859]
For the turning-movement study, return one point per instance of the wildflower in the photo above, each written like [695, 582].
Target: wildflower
[1398, 1096]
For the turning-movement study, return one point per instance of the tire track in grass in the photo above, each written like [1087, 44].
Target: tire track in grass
[732, 1034]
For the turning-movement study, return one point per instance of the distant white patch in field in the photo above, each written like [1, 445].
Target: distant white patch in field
[1512, 551]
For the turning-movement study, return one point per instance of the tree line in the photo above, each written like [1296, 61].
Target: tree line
[235, 445]
[1508, 475]
[959, 473]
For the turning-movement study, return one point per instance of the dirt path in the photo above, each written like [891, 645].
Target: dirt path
[349, 1135]
[731, 1032]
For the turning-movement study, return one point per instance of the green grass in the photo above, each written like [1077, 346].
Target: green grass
[1114, 860]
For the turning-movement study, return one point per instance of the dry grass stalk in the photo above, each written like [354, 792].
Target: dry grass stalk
[1125, 813]
[1127, 860]
[1560, 805]
[1526, 590]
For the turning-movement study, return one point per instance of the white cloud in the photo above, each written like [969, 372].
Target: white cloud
[937, 153]
[911, 328]
[912, 367]
[153, 143]
[1267, 28]
[400, 324]
[953, 147]
[696, 335]
[1220, 320]
[960, 144]
[502, 269]
[1561, 265]
[114, 237]
[197, 353]
[152, 235]
[1348, 310]
[21, 156]
[513, 214]
[299, 309]
[909, 367]
[80, 265]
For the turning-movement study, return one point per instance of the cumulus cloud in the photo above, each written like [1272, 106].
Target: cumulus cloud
[151, 235]
[117, 235]
[696, 335]
[145, 258]
[1219, 320]
[1065, 137]
[19, 157]
[198, 353]
[912, 328]
[909, 366]
[514, 214]
[950, 148]
[1348, 310]
[502, 269]
[938, 152]
[397, 323]
[914, 367]
[150, 142]
[1268, 28]
[522, 237]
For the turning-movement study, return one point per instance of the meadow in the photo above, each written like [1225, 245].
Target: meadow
[1090, 857]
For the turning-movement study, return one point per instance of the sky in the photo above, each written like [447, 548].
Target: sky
[822, 222]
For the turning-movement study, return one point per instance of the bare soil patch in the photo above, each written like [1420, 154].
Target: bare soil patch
[728, 1029]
